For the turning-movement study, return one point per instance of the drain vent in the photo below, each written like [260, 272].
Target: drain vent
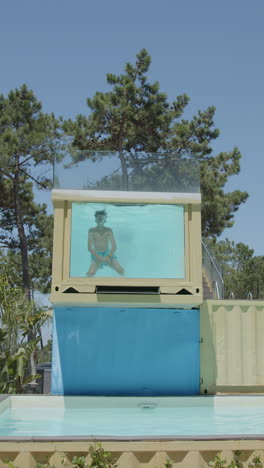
[127, 290]
[147, 406]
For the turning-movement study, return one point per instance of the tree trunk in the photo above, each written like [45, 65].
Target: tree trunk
[24, 255]
[22, 239]
[124, 171]
[121, 154]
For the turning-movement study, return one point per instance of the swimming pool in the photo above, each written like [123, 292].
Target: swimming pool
[209, 417]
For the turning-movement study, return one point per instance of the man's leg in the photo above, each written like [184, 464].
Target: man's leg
[117, 267]
[92, 270]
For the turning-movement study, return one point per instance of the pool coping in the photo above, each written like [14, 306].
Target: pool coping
[4, 396]
[161, 438]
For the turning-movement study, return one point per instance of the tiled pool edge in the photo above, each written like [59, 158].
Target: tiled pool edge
[132, 453]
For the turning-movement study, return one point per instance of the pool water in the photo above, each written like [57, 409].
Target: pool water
[138, 230]
[102, 416]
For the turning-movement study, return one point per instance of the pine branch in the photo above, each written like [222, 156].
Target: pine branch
[5, 173]
[41, 184]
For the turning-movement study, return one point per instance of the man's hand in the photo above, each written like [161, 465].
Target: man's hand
[108, 259]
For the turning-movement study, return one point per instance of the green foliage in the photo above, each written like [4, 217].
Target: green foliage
[14, 375]
[256, 462]
[26, 132]
[243, 273]
[100, 458]
[136, 118]
[28, 140]
[168, 463]
[45, 354]
[79, 462]
[19, 318]
[44, 465]
[219, 207]
[38, 465]
[219, 462]
[13, 304]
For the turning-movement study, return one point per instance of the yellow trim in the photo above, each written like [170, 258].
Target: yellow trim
[126, 197]
[130, 454]
[86, 286]
[126, 300]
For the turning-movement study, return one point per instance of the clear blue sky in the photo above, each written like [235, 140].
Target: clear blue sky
[213, 51]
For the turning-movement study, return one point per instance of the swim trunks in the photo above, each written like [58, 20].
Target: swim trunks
[102, 254]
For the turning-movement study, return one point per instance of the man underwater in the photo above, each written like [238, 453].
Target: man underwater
[102, 245]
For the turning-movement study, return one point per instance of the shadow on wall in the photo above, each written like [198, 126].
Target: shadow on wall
[208, 369]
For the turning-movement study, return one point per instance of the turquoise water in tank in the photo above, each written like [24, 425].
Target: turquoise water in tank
[149, 239]
[188, 416]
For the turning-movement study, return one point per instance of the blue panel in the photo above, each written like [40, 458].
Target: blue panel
[103, 351]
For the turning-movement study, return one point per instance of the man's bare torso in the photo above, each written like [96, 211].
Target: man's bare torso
[100, 237]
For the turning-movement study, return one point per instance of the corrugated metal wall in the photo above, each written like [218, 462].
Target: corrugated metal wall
[232, 346]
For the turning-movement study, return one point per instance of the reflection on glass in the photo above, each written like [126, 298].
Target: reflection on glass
[132, 240]
[139, 172]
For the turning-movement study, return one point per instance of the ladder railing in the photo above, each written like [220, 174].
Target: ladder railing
[212, 272]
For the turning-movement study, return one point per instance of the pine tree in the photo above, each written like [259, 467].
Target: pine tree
[136, 118]
[27, 138]
[243, 273]
[26, 153]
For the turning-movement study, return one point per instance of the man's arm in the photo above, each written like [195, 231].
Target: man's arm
[90, 241]
[112, 242]
[90, 245]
